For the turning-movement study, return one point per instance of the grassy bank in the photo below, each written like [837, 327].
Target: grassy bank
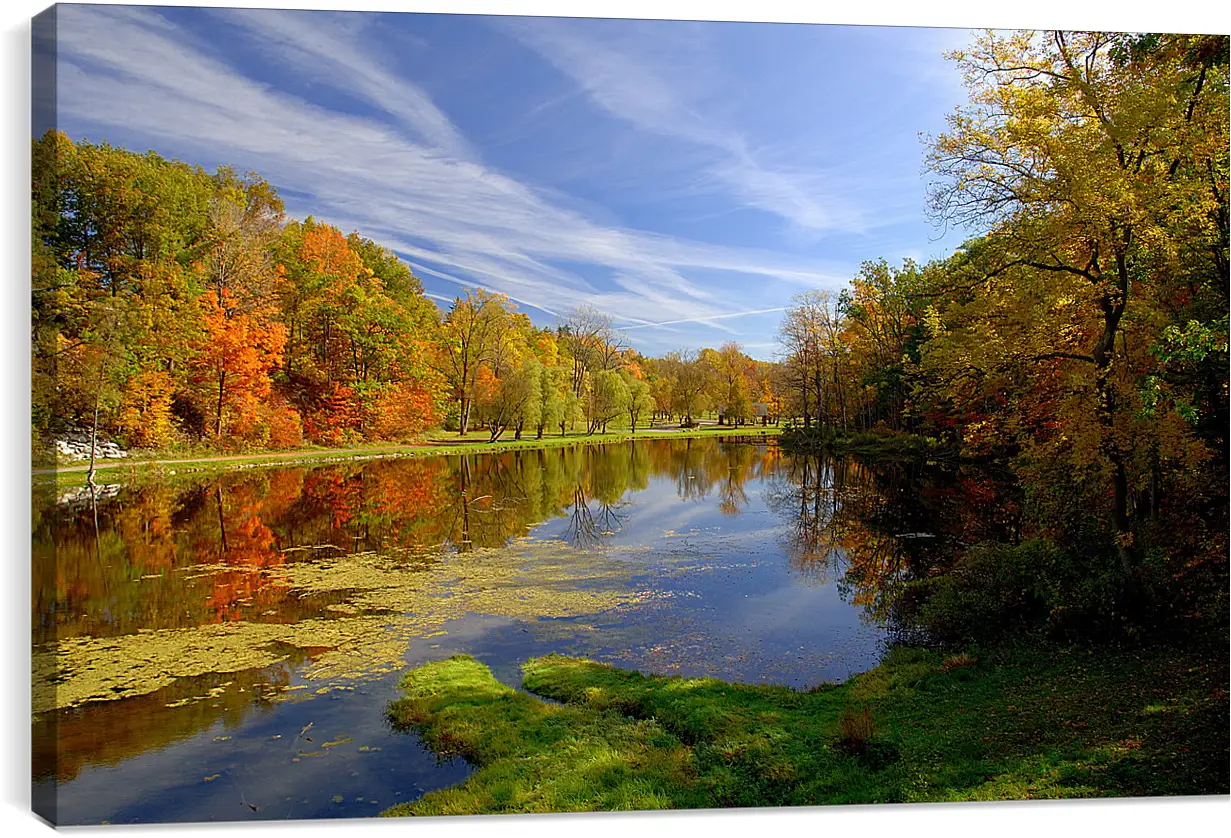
[154, 464]
[827, 441]
[1028, 723]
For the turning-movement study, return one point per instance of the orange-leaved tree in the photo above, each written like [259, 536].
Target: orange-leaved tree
[236, 355]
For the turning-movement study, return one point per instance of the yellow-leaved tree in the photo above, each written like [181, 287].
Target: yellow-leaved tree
[1097, 165]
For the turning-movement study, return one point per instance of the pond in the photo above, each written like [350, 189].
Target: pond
[226, 649]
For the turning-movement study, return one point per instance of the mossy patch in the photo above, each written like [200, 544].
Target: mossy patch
[533, 756]
[1029, 724]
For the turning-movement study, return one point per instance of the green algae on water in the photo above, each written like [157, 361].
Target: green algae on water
[388, 603]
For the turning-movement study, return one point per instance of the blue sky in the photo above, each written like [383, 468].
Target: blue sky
[686, 177]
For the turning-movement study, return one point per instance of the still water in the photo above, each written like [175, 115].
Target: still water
[226, 649]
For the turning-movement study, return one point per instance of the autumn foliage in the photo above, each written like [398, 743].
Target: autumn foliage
[233, 362]
[1078, 340]
[187, 309]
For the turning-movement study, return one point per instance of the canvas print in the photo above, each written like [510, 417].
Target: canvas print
[458, 414]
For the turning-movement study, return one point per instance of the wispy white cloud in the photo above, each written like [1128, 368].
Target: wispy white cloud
[627, 78]
[327, 51]
[407, 178]
[707, 319]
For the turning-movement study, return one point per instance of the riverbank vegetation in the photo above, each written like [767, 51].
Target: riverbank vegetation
[920, 727]
[1079, 342]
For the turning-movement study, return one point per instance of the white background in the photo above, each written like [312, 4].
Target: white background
[1044, 819]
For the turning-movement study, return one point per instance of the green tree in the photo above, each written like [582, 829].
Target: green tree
[640, 401]
[469, 335]
[608, 398]
[691, 379]
[552, 383]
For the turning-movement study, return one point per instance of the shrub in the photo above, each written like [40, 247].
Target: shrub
[990, 591]
[285, 426]
[855, 730]
[997, 590]
[335, 417]
[146, 410]
[397, 411]
[964, 660]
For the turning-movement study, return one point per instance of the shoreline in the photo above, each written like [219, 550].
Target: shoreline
[1027, 721]
[74, 475]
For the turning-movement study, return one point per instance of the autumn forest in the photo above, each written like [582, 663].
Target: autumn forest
[1054, 393]
[184, 307]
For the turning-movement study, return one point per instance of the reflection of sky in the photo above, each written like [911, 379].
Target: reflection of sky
[744, 613]
[721, 598]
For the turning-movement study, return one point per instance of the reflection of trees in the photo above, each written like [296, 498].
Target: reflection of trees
[692, 479]
[122, 564]
[826, 504]
[699, 466]
[604, 476]
[247, 552]
[247, 525]
[738, 464]
[861, 524]
[586, 527]
[732, 496]
[875, 526]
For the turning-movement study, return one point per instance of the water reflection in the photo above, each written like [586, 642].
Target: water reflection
[136, 561]
[167, 617]
[107, 733]
[874, 526]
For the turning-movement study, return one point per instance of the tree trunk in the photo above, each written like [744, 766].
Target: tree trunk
[841, 395]
[222, 527]
[1113, 305]
[464, 544]
[98, 394]
[222, 378]
[803, 391]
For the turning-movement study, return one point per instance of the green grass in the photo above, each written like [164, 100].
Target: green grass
[533, 756]
[1029, 723]
[436, 443]
[883, 444]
